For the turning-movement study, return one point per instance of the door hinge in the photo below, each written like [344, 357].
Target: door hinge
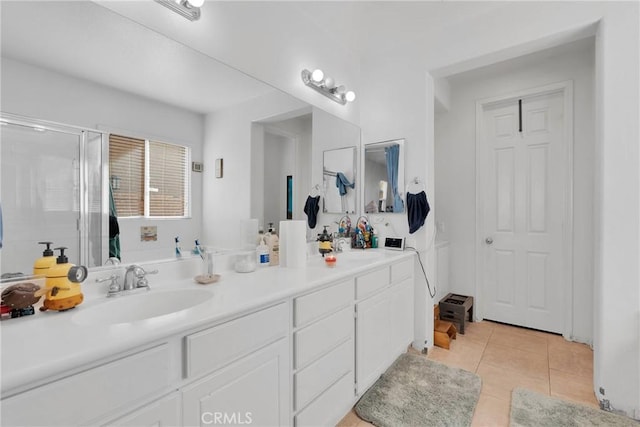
[355, 312]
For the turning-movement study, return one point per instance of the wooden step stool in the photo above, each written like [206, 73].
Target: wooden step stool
[443, 331]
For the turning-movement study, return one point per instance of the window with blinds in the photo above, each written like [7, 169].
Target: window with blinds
[158, 190]
[167, 189]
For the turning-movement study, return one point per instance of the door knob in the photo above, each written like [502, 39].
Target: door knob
[488, 240]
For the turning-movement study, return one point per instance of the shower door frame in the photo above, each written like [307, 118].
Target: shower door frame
[82, 133]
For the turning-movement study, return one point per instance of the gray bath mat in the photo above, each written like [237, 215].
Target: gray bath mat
[415, 391]
[529, 408]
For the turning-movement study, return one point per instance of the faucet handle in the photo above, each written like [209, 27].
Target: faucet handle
[112, 278]
[114, 286]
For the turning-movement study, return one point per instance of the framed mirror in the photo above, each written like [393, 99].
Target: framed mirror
[339, 180]
[384, 170]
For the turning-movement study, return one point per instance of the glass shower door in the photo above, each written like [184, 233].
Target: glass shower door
[40, 193]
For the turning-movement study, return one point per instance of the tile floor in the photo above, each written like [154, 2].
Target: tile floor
[506, 357]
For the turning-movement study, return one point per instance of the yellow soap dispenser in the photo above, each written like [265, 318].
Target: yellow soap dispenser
[62, 285]
[47, 260]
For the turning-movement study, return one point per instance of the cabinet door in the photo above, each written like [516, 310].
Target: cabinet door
[401, 312]
[253, 390]
[372, 339]
[161, 413]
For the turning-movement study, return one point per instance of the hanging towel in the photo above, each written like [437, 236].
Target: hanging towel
[417, 210]
[342, 183]
[114, 229]
[311, 208]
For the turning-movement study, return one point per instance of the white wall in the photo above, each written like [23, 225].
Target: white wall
[455, 163]
[229, 200]
[405, 110]
[43, 94]
[617, 274]
[300, 129]
[279, 161]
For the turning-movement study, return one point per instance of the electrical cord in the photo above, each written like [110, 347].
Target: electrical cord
[432, 294]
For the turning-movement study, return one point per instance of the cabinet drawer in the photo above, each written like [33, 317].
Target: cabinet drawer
[401, 270]
[318, 338]
[95, 393]
[315, 378]
[163, 412]
[212, 348]
[327, 409]
[317, 304]
[369, 283]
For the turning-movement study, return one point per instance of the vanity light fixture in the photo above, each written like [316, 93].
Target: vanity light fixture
[190, 9]
[327, 86]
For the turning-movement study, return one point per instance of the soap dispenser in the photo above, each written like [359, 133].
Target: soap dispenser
[62, 284]
[324, 239]
[47, 260]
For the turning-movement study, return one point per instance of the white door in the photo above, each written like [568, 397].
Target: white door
[522, 172]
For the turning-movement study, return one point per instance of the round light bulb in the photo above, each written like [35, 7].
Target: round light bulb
[195, 3]
[350, 96]
[340, 89]
[317, 75]
[329, 83]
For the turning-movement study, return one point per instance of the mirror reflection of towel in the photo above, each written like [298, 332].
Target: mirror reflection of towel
[311, 208]
[342, 183]
[417, 210]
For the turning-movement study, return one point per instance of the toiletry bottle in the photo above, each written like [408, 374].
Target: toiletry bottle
[274, 248]
[324, 239]
[262, 252]
[178, 248]
[47, 260]
[198, 250]
[62, 285]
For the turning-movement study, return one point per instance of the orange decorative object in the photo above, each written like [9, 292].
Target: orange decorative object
[330, 260]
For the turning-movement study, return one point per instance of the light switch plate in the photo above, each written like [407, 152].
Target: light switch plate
[394, 243]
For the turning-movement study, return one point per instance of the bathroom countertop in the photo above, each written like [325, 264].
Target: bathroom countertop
[49, 344]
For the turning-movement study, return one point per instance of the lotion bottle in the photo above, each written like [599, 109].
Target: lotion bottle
[274, 248]
[262, 252]
[47, 260]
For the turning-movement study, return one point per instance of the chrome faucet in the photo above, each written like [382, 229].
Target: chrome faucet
[135, 277]
[340, 244]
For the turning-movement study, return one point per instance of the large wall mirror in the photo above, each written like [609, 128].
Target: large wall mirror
[339, 184]
[384, 171]
[82, 64]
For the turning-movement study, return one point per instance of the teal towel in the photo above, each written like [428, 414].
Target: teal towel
[114, 229]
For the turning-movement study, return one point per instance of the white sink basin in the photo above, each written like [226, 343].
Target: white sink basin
[140, 306]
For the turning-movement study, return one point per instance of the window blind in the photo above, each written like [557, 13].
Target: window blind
[167, 179]
[126, 170]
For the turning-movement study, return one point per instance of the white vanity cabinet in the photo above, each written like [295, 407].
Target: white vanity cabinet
[163, 412]
[323, 338]
[303, 359]
[384, 320]
[245, 363]
[88, 396]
